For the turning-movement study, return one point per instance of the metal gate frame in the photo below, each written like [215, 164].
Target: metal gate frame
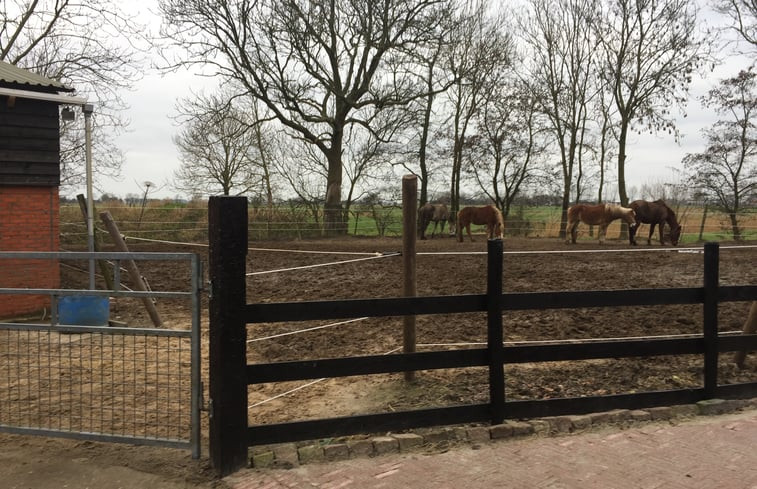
[194, 442]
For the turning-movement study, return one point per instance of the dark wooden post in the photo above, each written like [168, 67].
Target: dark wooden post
[409, 222]
[710, 318]
[227, 234]
[495, 334]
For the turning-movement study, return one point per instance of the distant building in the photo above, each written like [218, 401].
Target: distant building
[29, 182]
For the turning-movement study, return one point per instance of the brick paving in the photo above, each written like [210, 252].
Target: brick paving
[707, 452]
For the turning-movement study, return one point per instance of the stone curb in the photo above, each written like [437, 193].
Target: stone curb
[289, 455]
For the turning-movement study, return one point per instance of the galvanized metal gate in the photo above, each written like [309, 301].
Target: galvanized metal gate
[136, 385]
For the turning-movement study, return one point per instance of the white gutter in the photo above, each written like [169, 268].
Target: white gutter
[50, 97]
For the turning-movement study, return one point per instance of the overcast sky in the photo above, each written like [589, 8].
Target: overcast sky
[150, 155]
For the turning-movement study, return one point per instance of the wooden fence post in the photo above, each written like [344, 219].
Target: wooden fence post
[131, 267]
[710, 318]
[409, 227]
[495, 334]
[227, 235]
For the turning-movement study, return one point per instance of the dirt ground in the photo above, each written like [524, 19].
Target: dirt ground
[364, 267]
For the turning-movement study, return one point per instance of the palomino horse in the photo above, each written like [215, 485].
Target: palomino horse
[489, 215]
[436, 213]
[597, 215]
[654, 213]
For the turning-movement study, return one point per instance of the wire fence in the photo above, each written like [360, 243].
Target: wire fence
[189, 224]
[119, 384]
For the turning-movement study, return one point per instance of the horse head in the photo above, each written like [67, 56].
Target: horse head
[452, 223]
[675, 235]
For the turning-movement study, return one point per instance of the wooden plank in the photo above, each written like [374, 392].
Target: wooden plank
[582, 405]
[29, 144]
[740, 342]
[29, 156]
[371, 423]
[30, 180]
[26, 132]
[601, 298]
[364, 365]
[353, 308]
[603, 349]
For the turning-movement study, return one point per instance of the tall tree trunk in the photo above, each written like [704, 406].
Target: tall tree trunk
[622, 173]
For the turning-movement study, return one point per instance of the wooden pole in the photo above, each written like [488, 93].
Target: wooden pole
[495, 334]
[710, 318]
[227, 258]
[409, 220]
[106, 273]
[131, 267]
[750, 327]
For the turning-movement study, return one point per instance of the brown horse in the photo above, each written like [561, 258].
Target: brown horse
[489, 215]
[656, 213]
[438, 213]
[597, 215]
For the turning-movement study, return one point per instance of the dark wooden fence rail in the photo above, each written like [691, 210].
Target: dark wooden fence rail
[230, 375]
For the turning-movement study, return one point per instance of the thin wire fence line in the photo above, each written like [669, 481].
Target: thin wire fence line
[304, 267]
[298, 388]
[315, 328]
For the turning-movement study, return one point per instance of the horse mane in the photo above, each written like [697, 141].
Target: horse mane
[500, 218]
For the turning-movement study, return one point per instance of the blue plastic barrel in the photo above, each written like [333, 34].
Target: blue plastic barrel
[84, 310]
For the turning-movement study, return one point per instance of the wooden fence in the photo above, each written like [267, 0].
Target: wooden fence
[230, 435]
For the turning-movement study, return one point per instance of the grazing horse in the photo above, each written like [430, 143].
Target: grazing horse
[489, 215]
[656, 213]
[436, 213]
[601, 215]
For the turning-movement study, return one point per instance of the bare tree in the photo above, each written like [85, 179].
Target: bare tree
[743, 18]
[91, 46]
[651, 50]
[317, 66]
[560, 38]
[504, 156]
[481, 50]
[726, 170]
[216, 148]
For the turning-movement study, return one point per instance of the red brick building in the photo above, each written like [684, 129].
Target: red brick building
[29, 181]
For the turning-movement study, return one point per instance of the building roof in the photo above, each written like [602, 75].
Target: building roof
[12, 76]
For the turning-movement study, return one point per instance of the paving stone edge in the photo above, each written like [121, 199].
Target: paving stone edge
[290, 455]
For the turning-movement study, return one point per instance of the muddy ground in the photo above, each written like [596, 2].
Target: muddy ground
[361, 268]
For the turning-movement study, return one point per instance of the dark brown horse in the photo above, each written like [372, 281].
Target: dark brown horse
[438, 213]
[597, 215]
[656, 213]
[489, 215]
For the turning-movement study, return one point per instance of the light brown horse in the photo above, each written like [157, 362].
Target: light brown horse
[598, 215]
[438, 213]
[654, 213]
[489, 215]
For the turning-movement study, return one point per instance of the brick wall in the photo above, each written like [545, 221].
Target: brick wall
[29, 221]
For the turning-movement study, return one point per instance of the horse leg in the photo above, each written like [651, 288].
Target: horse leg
[662, 238]
[467, 229]
[570, 232]
[602, 233]
[433, 231]
[632, 233]
[651, 232]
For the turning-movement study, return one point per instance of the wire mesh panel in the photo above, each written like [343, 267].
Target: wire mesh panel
[109, 383]
[116, 382]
